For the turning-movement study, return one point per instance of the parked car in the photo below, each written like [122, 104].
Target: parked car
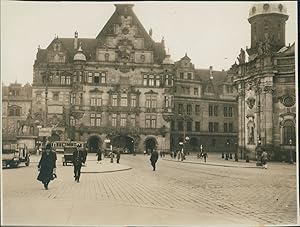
[68, 155]
[14, 154]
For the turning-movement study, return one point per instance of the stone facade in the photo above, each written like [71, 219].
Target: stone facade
[16, 107]
[266, 86]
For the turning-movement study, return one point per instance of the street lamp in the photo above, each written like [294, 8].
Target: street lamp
[291, 152]
[258, 150]
[47, 79]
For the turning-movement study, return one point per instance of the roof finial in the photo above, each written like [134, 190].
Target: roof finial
[150, 32]
[163, 41]
[211, 72]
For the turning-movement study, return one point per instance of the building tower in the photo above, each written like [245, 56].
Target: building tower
[267, 25]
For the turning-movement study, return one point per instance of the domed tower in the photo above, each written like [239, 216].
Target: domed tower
[267, 25]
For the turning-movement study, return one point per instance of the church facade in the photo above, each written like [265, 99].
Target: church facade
[266, 86]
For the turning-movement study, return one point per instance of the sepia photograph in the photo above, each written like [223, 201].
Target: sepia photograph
[149, 113]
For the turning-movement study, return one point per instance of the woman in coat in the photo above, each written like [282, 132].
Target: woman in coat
[154, 158]
[46, 165]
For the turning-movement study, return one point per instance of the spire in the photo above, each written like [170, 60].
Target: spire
[75, 40]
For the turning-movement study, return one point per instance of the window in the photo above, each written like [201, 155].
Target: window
[180, 125]
[38, 97]
[168, 80]
[72, 121]
[216, 126]
[73, 99]
[151, 80]
[124, 100]
[197, 109]
[210, 127]
[123, 120]
[197, 126]
[230, 127]
[189, 109]
[114, 100]
[93, 119]
[189, 76]
[167, 104]
[90, 77]
[225, 111]
[133, 101]
[132, 120]
[180, 108]
[150, 121]
[225, 127]
[215, 110]
[196, 91]
[103, 78]
[114, 120]
[62, 80]
[209, 89]
[229, 111]
[181, 75]
[157, 81]
[93, 101]
[99, 101]
[289, 132]
[145, 81]
[55, 96]
[96, 78]
[189, 126]
[142, 58]
[68, 80]
[98, 119]
[210, 110]
[229, 89]
[81, 99]
[106, 56]
[151, 101]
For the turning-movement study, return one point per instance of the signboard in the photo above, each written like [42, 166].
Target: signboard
[107, 141]
[45, 132]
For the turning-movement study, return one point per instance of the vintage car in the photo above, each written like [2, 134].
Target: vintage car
[68, 154]
[14, 154]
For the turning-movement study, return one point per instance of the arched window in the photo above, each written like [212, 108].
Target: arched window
[289, 132]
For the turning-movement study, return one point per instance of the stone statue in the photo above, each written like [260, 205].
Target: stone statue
[251, 134]
[267, 46]
[260, 49]
[242, 56]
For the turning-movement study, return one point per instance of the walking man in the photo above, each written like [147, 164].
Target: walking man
[264, 159]
[205, 155]
[77, 162]
[46, 166]
[118, 154]
[99, 154]
[154, 158]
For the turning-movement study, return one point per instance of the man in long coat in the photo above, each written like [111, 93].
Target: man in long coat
[46, 165]
[154, 158]
[78, 159]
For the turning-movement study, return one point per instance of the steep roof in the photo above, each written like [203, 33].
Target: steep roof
[219, 77]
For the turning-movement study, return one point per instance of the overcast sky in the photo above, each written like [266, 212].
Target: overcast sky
[211, 33]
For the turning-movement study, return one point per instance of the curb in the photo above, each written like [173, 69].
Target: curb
[108, 171]
[211, 164]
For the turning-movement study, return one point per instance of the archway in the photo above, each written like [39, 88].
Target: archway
[194, 143]
[55, 137]
[93, 143]
[150, 144]
[125, 143]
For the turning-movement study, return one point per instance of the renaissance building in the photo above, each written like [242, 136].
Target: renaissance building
[266, 86]
[124, 88]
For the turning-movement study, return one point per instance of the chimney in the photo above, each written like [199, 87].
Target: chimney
[76, 40]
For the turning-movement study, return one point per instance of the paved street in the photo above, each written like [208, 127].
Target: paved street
[177, 193]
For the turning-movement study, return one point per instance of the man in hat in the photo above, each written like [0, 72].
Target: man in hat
[78, 159]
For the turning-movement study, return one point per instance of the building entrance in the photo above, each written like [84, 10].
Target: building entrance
[125, 143]
[150, 144]
[94, 142]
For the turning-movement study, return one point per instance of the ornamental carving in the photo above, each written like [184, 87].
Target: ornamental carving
[241, 93]
[269, 89]
[77, 115]
[250, 102]
[288, 100]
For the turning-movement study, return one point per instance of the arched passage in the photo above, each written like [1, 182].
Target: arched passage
[94, 142]
[55, 137]
[194, 143]
[150, 144]
[125, 143]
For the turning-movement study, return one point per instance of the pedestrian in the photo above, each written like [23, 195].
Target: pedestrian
[118, 155]
[99, 155]
[161, 154]
[77, 162]
[46, 166]
[205, 155]
[264, 159]
[84, 151]
[154, 158]
[111, 155]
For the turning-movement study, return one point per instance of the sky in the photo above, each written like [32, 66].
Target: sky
[211, 33]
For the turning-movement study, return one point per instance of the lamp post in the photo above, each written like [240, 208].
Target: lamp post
[258, 152]
[291, 152]
[47, 79]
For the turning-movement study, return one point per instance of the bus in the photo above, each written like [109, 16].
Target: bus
[58, 146]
